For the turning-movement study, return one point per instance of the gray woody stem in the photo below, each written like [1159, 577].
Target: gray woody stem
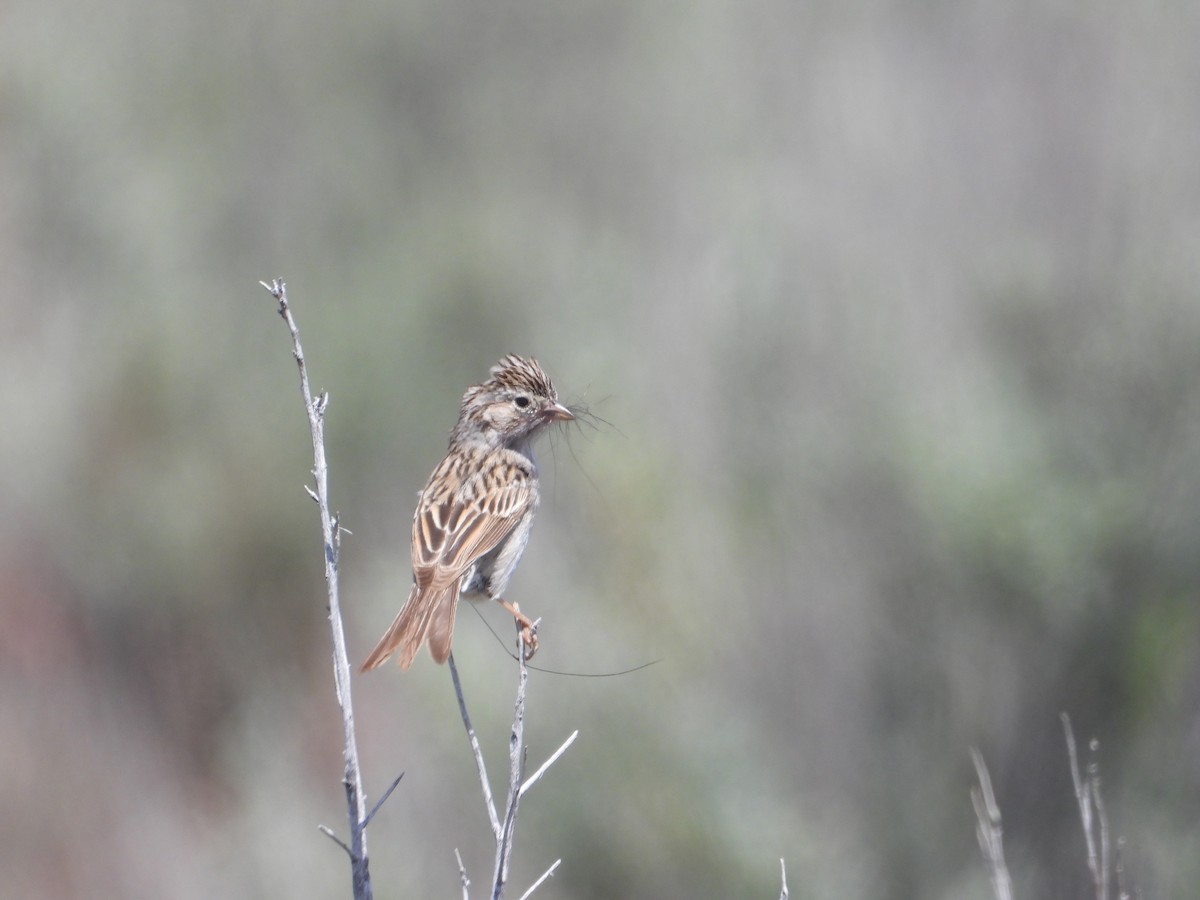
[483, 777]
[516, 764]
[1087, 795]
[988, 829]
[504, 829]
[331, 537]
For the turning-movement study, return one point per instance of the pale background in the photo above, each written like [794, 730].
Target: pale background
[893, 309]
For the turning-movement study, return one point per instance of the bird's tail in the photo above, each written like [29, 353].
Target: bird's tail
[425, 613]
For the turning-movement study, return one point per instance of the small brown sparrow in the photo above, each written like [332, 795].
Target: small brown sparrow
[473, 519]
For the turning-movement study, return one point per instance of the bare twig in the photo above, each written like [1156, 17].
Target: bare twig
[988, 829]
[462, 874]
[504, 829]
[1119, 870]
[483, 778]
[537, 884]
[1101, 815]
[783, 891]
[1092, 815]
[382, 800]
[536, 776]
[516, 762]
[328, 832]
[331, 537]
[1086, 795]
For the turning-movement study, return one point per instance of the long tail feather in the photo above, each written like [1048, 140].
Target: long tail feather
[408, 630]
[441, 627]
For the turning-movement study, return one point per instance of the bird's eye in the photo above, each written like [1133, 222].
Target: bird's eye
[521, 401]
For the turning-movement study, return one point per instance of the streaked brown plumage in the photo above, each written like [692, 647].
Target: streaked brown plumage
[473, 518]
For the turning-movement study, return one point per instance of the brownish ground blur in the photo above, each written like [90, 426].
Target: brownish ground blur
[892, 308]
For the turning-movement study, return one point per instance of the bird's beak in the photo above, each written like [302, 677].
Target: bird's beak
[558, 413]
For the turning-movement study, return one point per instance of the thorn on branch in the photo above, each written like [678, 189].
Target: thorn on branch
[337, 528]
[312, 494]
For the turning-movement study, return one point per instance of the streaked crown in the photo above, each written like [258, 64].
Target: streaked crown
[517, 400]
[519, 374]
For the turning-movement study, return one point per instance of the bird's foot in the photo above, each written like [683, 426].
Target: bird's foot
[529, 639]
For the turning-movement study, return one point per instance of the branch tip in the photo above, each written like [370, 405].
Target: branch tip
[533, 887]
[328, 832]
[462, 874]
[381, 801]
[551, 760]
[988, 829]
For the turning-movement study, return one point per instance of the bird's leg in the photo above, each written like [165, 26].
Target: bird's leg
[528, 629]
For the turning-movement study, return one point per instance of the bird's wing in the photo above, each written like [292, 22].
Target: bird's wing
[461, 516]
[453, 529]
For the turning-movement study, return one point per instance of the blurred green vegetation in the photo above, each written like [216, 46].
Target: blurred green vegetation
[891, 314]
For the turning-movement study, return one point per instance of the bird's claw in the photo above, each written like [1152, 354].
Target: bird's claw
[529, 638]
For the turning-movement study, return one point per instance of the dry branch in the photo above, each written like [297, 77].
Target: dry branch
[331, 533]
[1091, 814]
[988, 829]
[1087, 795]
[504, 829]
